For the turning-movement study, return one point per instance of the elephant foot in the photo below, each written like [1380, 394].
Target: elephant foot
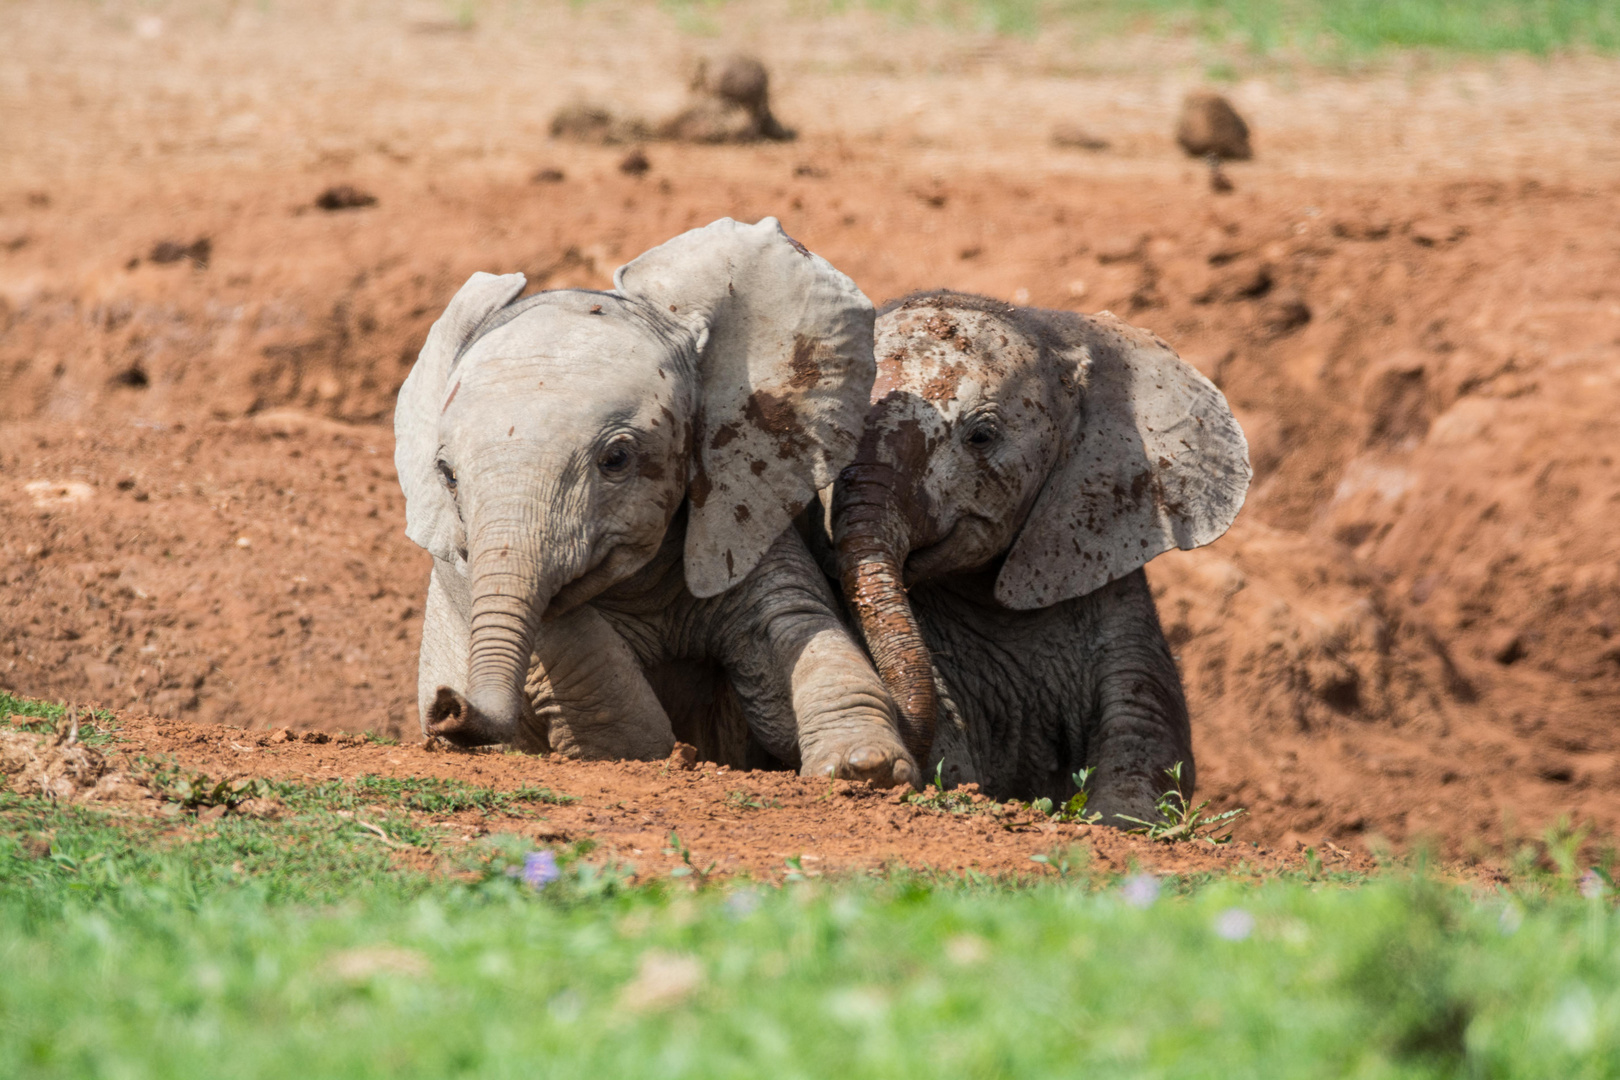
[877, 757]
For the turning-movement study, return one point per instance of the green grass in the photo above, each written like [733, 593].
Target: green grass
[251, 948]
[1314, 29]
[353, 936]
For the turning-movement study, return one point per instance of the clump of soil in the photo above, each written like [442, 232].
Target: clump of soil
[730, 103]
[344, 197]
[59, 766]
[172, 251]
[1075, 137]
[590, 123]
[1209, 125]
[635, 163]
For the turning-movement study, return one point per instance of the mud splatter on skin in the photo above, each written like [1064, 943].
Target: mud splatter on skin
[806, 372]
[777, 417]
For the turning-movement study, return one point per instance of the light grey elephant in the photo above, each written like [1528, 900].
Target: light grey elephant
[1018, 468]
[606, 481]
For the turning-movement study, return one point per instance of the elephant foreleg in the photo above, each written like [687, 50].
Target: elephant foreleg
[590, 695]
[1140, 728]
[810, 694]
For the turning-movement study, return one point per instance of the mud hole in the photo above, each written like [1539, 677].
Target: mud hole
[1413, 631]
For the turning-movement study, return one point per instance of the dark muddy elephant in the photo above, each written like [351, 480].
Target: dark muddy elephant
[1017, 469]
[606, 482]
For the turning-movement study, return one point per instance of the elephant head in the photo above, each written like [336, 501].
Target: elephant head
[1058, 451]
[546, 444]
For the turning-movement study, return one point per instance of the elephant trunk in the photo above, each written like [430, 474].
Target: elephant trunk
[510, 590]
[872, 542]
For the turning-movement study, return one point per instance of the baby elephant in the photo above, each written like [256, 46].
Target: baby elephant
[605, 481]
[1017, 470]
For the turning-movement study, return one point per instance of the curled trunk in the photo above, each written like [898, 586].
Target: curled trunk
[510, 591]
[872, 542]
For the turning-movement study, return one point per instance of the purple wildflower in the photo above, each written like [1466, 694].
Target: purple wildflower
[540, 869]
[1140, 890]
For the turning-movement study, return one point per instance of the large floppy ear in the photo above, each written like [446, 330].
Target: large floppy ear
[784, 346]
[1156, 461]
[430, 516]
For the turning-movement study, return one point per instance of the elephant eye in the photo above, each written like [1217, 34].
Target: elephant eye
[449, 475]
[615, 459]
[981, 435]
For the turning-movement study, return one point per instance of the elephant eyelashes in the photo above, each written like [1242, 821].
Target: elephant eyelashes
[981, 435]
[615, 460]
[449, 476]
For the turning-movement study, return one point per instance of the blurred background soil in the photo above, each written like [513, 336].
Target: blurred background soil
[1412, 300]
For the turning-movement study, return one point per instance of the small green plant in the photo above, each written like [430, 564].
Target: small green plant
[1180, 820]
[1075, 809]
[677, 847]
[741, 800]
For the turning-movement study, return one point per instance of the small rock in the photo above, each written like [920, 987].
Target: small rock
[1209, 125]
[683, 757]
[1075, 137]
[635, 163]
[344, 197]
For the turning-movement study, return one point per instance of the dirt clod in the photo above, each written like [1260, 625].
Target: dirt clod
[548, 176]
[1210, 125]
[172, 251]
[590, 123]
[635, 163]
[344, 197]
[684, 756]
[1070, 136]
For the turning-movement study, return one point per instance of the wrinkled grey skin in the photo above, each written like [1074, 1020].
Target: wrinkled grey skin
[606, 481]
[1017, 469]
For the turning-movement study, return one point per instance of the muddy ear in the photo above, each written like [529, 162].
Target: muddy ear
[1156, 461]
[784, 345]
[430, 515]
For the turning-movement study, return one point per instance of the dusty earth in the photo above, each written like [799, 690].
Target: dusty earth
[1412, 299]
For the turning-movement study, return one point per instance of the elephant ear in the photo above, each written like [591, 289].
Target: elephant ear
[430, 514]
[784, 345]
[1157, 461]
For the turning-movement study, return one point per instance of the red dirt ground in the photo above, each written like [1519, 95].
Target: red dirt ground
[1413, 631]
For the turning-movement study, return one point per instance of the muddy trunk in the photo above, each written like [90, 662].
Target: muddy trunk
[872, 542]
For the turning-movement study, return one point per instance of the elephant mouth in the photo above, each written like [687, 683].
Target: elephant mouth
[939, 558]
